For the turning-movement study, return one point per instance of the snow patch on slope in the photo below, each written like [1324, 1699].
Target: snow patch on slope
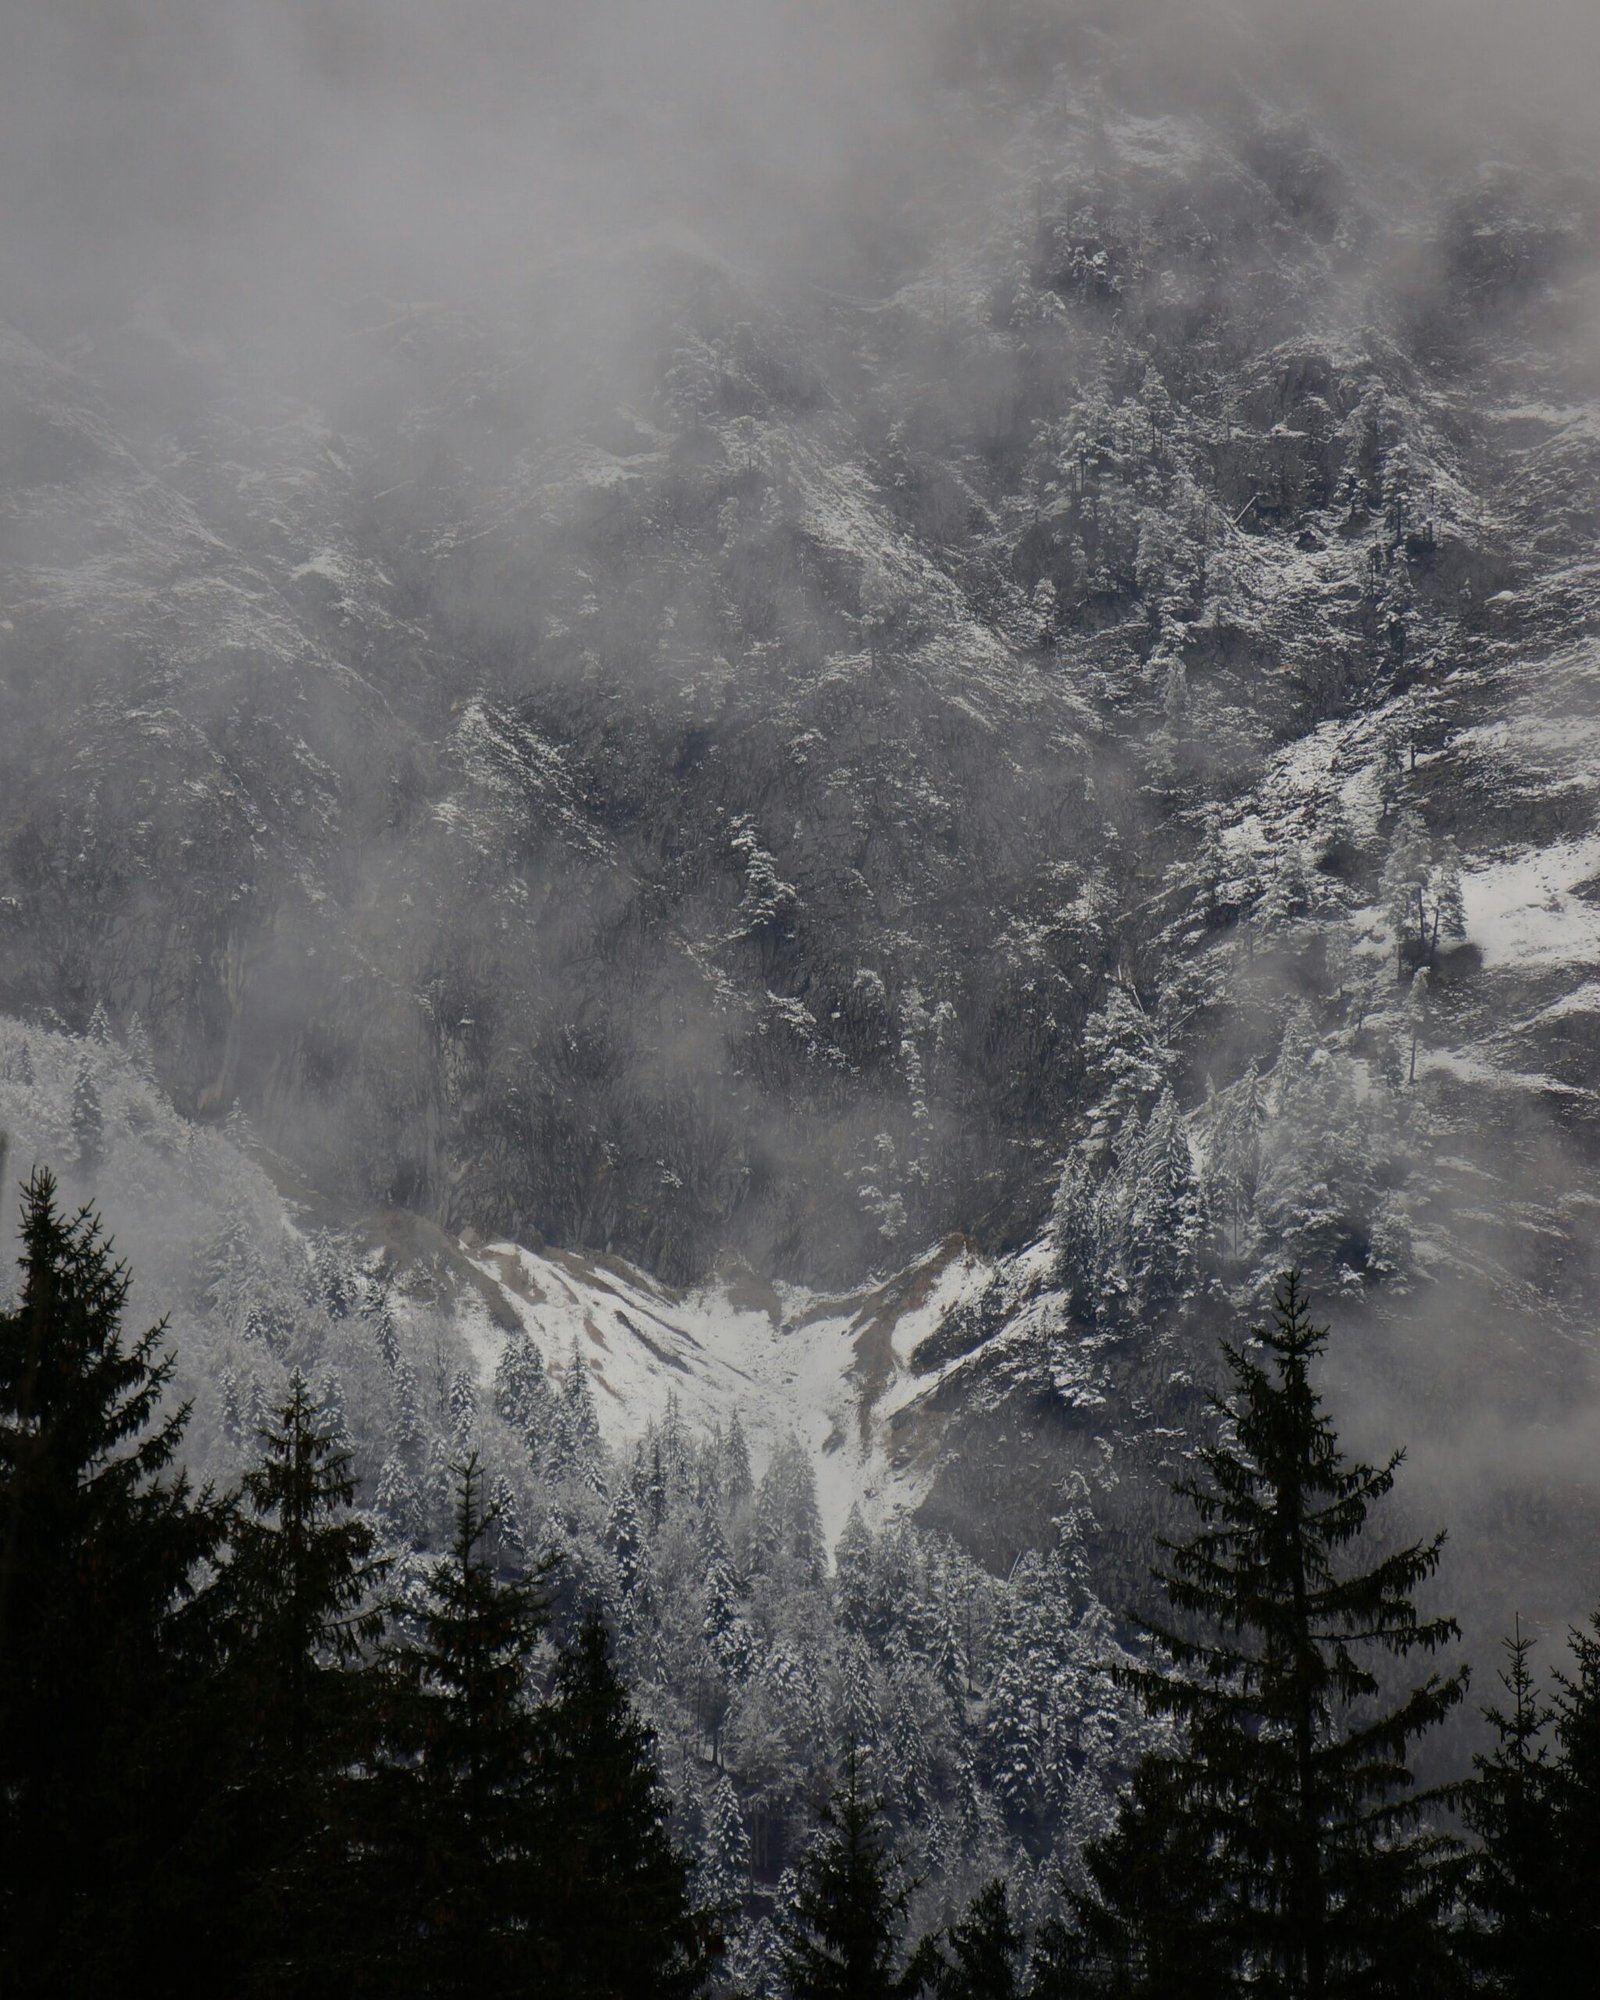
[1537, 907]
[829, 1370]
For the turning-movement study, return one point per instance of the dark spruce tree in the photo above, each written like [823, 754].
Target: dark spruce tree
[1518, 1944]
[844, 1937]
[617, 1914]
[1290, 1800]
[980, 1955]
[1575, 1799]
[450, 1870]
[108, 1635]
[303, 1694]
[1151, 1923]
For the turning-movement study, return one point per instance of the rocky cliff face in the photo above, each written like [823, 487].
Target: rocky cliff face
[813, 771]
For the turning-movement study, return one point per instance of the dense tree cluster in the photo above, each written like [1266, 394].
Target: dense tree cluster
[227, 1754]
[265, 1736]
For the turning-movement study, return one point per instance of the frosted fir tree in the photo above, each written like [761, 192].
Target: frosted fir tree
[1391, 1252]
[724, 1875]
[1234, 1159]
[1450, 908]
[522, 1394]
[1321, 1167]
[255, 1409]
[232, 1413]
[1289, 896]
[1175, 699]
[1077, 1227]
[439, 1492]
[560, 1460]
[228, 1273]
[723, 1629]
[463, 1406]
[947, 1640]
[858, 1724]
[1404, 890]
[1215, 869]
[908, 1738]
[507, 1540]
[99, 1029]
[787, 1526]
[1014, 1740]
[406, 1422]
[335, 1285]
[1166, 1220]
[332, 1414]
[377, 1315]
[853, 1575]
[583, 1420]
[738, 1482]
[1397, 485]
[626, 1543]
[88, 1122]
[1128, 1062]
[398, 1505]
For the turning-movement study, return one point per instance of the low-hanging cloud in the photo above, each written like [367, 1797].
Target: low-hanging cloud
[260, 161]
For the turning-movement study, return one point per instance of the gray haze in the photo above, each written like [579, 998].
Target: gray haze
[268, 188]
[256, 166]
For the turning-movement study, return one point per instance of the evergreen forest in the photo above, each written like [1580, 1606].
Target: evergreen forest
[241, 1754]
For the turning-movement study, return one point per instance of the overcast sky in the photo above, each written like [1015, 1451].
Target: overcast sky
[270, 154]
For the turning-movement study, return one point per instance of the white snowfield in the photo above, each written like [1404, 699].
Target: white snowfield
[1537, 907]
[830, 1370]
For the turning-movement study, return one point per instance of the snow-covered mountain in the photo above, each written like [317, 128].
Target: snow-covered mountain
[860, 850]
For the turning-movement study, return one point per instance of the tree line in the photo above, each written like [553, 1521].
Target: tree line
[230, 1762]
[232, 1756]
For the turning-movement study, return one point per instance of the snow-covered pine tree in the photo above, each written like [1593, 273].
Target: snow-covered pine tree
[1403, 890]
[1166, 1219]
[397, 1504]
[88, 1121]
[407, 1421]
[463, 1410]
[1450, 907]
[583, 1420]
[724, 1877]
